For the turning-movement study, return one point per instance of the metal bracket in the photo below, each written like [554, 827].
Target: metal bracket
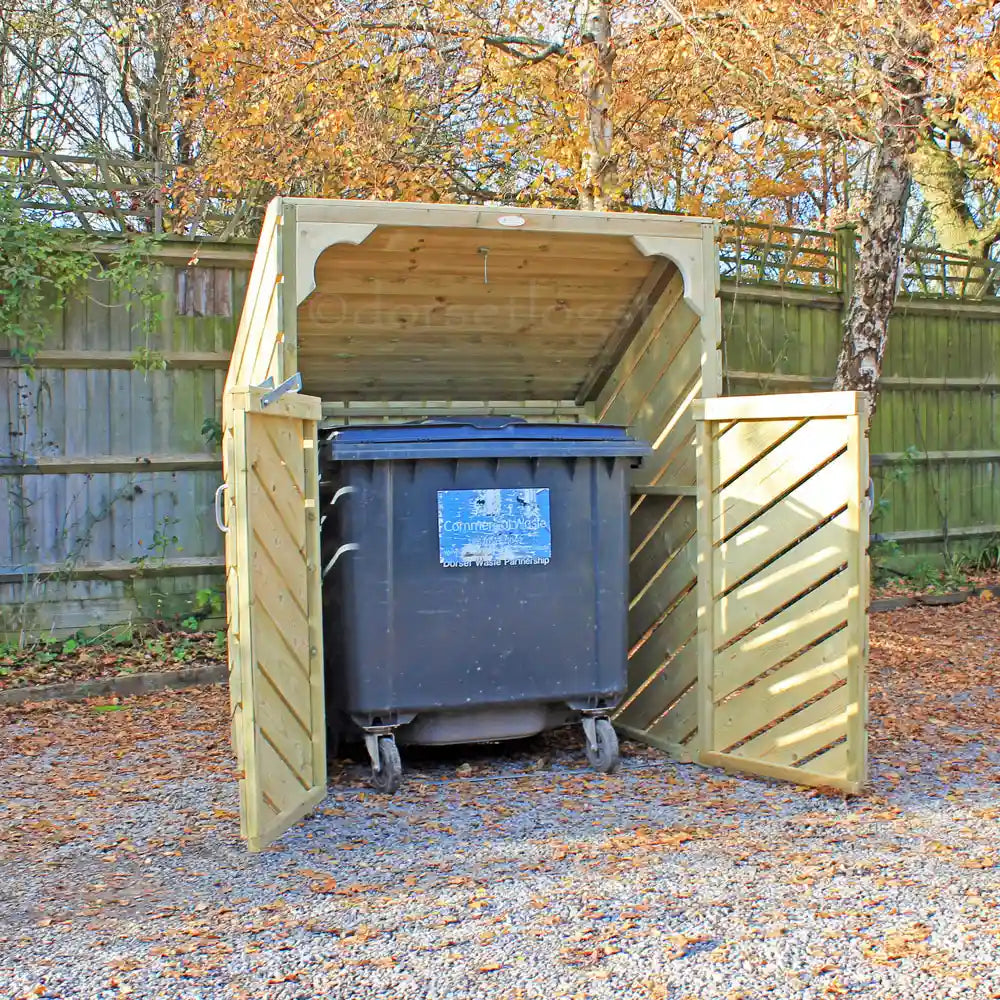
[293, 384]
[372, 736]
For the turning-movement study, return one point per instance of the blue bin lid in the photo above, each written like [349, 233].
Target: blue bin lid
[481, 437]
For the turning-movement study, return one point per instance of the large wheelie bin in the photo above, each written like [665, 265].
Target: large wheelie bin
[475, 582]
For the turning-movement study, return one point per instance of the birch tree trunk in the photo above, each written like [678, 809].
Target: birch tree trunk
[876, 283]
[597, 183]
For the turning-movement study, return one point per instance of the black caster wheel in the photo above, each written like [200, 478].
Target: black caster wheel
[604, 757]
[390, 770]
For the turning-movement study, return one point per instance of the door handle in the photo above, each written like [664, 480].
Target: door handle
[220, 523]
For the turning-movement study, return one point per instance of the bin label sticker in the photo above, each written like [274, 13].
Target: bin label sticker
[494, 527]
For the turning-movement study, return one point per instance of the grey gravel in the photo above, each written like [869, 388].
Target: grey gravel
[121, 873]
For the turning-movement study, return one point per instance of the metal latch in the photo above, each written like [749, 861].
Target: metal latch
[293, 384]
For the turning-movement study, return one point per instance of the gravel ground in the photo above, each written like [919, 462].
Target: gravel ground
[514, 874]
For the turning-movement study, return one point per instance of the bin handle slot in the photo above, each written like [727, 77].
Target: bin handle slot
[220, 523]
[348, 547]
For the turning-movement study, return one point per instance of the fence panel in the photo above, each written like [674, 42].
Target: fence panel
[935, 437]
[107, 467]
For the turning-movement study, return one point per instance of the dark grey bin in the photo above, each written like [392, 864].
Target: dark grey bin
[475, 582]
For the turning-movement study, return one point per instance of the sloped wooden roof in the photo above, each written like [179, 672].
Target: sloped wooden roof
[468, 314]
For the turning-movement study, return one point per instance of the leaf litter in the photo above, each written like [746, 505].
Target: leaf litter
[487, 875]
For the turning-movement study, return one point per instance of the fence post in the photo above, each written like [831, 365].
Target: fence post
[847, 259]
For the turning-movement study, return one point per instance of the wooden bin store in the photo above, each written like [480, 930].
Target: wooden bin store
[748, 567]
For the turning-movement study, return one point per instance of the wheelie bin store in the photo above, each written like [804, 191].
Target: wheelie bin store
[463, 360]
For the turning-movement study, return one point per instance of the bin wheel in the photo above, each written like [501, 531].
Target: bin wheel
[605, 756]
[390, 770]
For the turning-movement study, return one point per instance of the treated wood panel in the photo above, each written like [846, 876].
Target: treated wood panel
[663, 540]
[273, 559]
[672, 360]
[286, 731]
[280, 785]
[664, 355]
[680, 723]
[807, 731]
[404, 242]
[819, 611]
[763, 538]
[808, 561]
[834, 763]
[791, 462]
[646, 339]
[782, 691]
[413, 292]
[568, 339]
[661, 592]
[658, 691]
[484, 388]
[665, 639]
[754, 440]
[661, 688]
[534, 304]
[782, 674]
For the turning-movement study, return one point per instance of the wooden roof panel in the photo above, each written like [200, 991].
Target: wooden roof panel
[418, 312]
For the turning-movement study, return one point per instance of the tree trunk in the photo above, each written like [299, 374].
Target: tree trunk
[595, 190]
[943, 185]
[876, 281]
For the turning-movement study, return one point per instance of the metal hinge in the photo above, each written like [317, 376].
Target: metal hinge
[293, 384]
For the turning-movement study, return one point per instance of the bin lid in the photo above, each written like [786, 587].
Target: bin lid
[481, 437]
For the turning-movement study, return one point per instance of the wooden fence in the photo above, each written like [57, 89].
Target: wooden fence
[107, 479]
[935, 440]
[106, 476]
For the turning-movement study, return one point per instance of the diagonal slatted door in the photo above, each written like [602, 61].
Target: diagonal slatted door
[275, 616]
[782, 590]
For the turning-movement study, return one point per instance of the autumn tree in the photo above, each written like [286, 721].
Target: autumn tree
[887, 75]
[92, 76]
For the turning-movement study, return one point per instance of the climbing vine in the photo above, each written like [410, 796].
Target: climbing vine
[41, 266]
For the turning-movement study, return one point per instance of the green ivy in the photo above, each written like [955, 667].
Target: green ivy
[211, 431]
[41, 266]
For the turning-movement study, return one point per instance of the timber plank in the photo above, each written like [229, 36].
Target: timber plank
[663, 590]
[271, 535]
[680, 723]
[648, 513]
[833, 762]
[284, 600]
[781, 691]
[663, 544]
[273, 511]
[674, 632]
[791, 462]
[813, 558]
[797, 626]
[807, 506]
[747, 442]
[661, 689]
[280, 786]
[277, 452]
[814, 727]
